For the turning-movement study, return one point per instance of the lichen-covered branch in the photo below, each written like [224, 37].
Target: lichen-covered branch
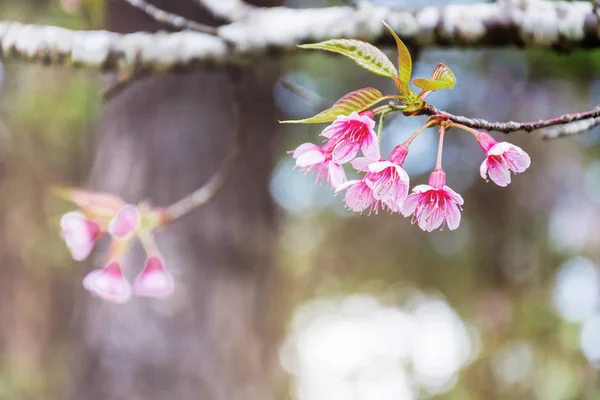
[512, 126]
[260, 31]
[571, 129]
[226, 10]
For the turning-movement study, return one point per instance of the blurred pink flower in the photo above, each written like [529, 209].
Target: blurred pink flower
[501, 159]
[109, 283]
[347, 135]
[154, 280]
[435, 204]
[311, 157]
[79, 233]
[125, 222]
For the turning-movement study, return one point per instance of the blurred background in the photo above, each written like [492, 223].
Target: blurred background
[282, 293]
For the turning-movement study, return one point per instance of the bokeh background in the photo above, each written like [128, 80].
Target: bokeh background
[506, 307]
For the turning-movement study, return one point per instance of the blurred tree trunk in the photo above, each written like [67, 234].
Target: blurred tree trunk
[216, 338]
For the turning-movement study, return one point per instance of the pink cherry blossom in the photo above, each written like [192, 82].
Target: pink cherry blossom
[311, 157]
[125, 222]
[154, 280]
[384, 186]
[501, 159]
[359, 196]
[435, 204]
[79, 233]
[350, 134]
[109, 283]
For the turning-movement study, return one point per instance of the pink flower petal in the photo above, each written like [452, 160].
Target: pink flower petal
[410, 204]
[370, 147]
[498, 171]
[457, 198]
[361, 163]
[108, 283]
[125, 222]
[379, 166]
[517, 160]
[154, 281]
[453, 216]
[344, 152]
[483, 169]
[79, 233]
[337, 176]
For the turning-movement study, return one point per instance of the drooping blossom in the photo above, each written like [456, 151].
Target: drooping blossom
[80, 234]
[154, 280]
[109, 283]
[435, 204]
[125, 222]
[501, 159]
[311, 157]
[348, 135]
[385, 184]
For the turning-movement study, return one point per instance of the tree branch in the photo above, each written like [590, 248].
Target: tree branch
[208, 191]
[512, 126]
[542, 24]
[574, 128]
[168, 18]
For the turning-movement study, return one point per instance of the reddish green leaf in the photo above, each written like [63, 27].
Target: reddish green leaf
[356, 101]
[441, 78]
[362, 53]
[404, 59]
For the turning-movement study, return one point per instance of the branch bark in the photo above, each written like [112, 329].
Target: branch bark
[543, 24]
[513, 126]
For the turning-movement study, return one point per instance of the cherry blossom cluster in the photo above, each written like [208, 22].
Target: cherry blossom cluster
[106, 215]
[385, 184]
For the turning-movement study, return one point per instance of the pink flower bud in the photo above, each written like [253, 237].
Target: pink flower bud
[154, 280]
[79, 234]
[125, 222]
[109, 283]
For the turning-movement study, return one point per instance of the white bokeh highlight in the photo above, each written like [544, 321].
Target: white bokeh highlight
[576, 294]
[357, 348]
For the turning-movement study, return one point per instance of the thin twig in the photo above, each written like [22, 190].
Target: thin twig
[574, 128]
[167, 18]
[208, 191]
[123, 80]
[511, 126]
[311, 98]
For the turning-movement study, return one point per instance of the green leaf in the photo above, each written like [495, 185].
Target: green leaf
[404, 59]
[441, 78]
[358, 101]
[362, 53]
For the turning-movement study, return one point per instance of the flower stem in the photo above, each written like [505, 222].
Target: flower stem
[428, 124]
[380, 126]
[148, 243]
[475, 132]
[438, 165]
[388, 108]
